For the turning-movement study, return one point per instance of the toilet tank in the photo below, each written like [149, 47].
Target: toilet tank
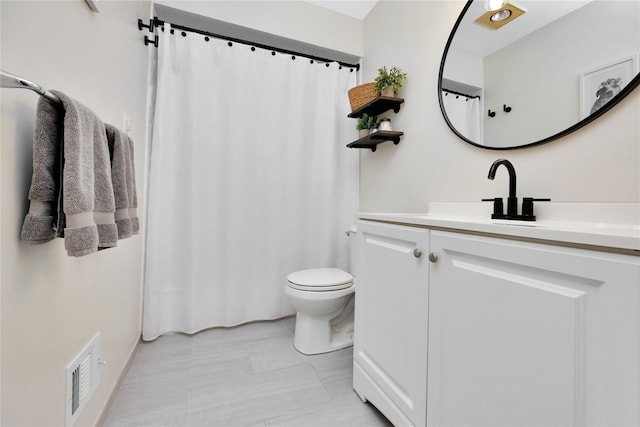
[353, 250]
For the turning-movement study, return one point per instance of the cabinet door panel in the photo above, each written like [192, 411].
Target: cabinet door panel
[521, 334]
[391, 316]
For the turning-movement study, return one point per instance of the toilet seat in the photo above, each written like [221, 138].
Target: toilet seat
[320, 280]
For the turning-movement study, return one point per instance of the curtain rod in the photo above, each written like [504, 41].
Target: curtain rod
[460, 93]
[10, 80]
[155, 22]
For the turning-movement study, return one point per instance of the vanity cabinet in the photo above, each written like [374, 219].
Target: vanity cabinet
[482, 330]
[531, 334]
[390, 344]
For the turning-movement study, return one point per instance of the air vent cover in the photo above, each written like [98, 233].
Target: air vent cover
[83, 377]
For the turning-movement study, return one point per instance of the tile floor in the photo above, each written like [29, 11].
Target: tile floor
[249, 375]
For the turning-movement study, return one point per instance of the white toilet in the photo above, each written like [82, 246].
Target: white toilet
[324, 301]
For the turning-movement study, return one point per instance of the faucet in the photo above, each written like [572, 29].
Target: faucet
[512, 201]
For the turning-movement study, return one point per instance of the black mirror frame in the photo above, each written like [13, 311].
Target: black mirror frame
[615, 100]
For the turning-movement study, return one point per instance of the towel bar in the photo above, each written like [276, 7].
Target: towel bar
[9, 80]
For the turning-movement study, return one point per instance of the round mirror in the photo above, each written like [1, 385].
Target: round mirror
[532, 71]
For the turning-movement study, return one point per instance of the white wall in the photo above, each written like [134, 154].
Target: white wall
[599, 163]
[464, 68]
[52, 304]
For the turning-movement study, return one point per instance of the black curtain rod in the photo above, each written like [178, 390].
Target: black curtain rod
[461, 94]
[155, 22]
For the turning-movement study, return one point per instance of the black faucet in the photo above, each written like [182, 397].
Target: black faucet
[512, 200]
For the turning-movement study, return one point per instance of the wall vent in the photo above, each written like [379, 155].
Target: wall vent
[83, 378]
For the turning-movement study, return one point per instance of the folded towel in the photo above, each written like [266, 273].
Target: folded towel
[88, 201]
[41, 222]
[133, 192]
[123, 179]
[83, 186]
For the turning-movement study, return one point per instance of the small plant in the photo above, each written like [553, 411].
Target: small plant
[365, 122]
[392, 78]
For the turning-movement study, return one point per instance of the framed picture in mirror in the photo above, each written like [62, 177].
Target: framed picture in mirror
[599, 86]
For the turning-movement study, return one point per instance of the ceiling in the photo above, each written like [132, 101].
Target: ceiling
[358, 9]
[479, 41]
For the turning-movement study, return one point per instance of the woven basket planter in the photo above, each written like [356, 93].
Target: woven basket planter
[361, 95]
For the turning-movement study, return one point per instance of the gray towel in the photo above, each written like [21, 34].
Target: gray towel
[124, 183]
[133, 192]
[40, 224]
[87, 192]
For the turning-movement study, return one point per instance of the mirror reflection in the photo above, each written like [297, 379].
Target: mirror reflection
[549, 68]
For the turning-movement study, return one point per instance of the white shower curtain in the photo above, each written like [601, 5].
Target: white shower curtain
[249, 180]
[464, 115]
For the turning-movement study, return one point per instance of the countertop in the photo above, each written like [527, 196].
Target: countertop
[607, 225]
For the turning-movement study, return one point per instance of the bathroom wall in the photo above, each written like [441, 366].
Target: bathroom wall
[599, 163]
[52, 304]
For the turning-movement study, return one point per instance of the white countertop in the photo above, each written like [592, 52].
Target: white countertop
[611, 225]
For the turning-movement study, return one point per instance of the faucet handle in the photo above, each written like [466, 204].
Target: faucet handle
[497, 207]
[527, 206]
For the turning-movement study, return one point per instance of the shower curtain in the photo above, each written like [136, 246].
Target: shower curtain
[464, 115]
[249, 180]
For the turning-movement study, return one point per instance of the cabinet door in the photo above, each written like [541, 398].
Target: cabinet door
[390, 348]
[531, 334]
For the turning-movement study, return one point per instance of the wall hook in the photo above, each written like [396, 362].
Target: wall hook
[505, 108]
[141, 25]
[148, 41]
[492, 113]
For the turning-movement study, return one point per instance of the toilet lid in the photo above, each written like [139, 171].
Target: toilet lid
[320, 279]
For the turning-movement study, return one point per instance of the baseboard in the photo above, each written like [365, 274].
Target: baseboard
[123, 373]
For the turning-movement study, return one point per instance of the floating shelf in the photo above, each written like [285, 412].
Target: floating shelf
[377, 106]
[373, 139]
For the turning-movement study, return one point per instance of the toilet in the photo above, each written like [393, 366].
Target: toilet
[324, 300]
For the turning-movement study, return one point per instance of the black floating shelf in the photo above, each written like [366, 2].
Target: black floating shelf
[373, 139]
[377, 106]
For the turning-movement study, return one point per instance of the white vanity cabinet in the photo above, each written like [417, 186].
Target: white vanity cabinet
[390, 344]
[498, 331]
[531, 334]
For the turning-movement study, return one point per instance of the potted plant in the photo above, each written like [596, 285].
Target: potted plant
[388, 82]
[364, 124]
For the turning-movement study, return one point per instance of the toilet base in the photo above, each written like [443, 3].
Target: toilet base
[323, 334]
[324, 341]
